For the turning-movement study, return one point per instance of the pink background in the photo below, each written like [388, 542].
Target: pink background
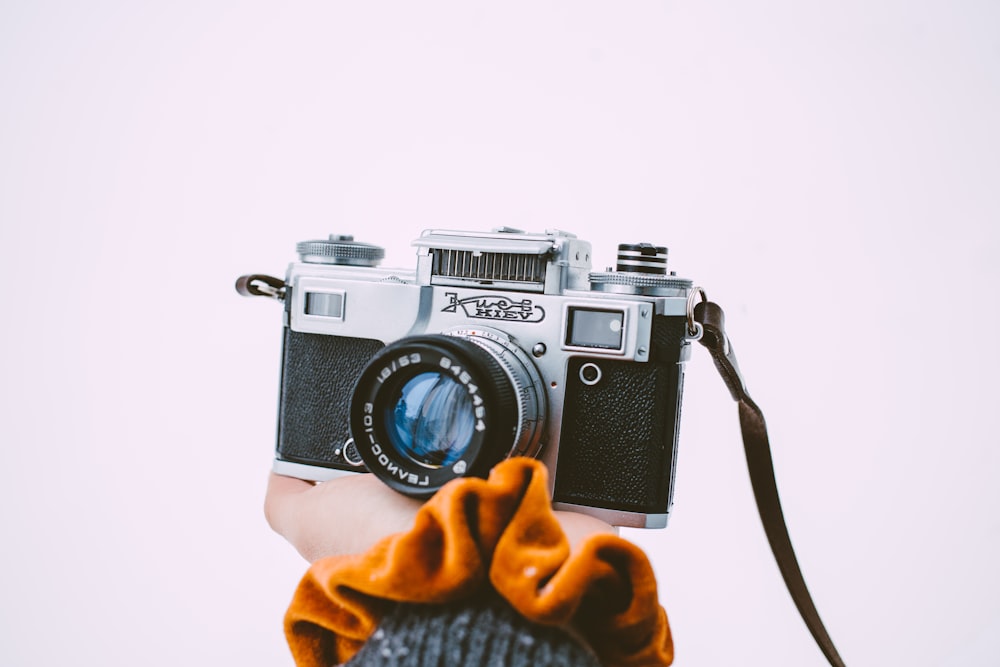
[828, 171]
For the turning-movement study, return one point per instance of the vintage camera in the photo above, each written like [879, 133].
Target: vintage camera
[498, 344]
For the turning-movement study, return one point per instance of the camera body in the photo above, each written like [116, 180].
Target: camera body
[497, 344]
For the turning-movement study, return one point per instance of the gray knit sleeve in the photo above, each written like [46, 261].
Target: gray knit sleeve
[483, 631]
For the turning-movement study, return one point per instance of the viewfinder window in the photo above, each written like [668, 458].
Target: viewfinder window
[325, 304]
[595, 328]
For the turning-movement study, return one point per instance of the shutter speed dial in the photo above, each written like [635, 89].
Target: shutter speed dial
[340, 249]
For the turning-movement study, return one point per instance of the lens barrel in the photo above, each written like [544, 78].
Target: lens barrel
[428, 409]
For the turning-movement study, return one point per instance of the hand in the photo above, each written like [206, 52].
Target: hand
[348, 515]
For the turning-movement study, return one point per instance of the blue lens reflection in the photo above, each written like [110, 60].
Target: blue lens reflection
[432, 420]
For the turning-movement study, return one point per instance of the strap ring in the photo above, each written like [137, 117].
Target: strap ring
[258, 284]
[694, 328]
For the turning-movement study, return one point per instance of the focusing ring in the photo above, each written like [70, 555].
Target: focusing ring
[488, 387]
[525, 381]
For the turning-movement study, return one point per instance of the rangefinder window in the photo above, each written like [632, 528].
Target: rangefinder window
[595, 328]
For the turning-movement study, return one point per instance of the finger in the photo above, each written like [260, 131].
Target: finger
[342, 516]
[578, 527]
[281, 498]
[281, 486]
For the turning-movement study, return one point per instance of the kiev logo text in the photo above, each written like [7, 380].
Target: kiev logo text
[495, 308]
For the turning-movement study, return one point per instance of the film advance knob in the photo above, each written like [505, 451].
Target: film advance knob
[642, 258]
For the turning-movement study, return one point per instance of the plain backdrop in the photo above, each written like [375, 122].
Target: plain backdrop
[828, 171]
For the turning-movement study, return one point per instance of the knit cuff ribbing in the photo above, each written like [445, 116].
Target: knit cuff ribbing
[481, 632]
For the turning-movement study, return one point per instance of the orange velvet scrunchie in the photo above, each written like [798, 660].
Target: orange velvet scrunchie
[474, 533]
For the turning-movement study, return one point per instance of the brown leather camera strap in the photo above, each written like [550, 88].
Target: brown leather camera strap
[761, 467]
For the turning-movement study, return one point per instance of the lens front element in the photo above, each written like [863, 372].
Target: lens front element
[433, 419]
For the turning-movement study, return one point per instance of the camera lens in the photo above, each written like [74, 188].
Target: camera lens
[432, 419]
[428, 409]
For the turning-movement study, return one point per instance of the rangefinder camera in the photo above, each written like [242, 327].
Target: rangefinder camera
[498, 344]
